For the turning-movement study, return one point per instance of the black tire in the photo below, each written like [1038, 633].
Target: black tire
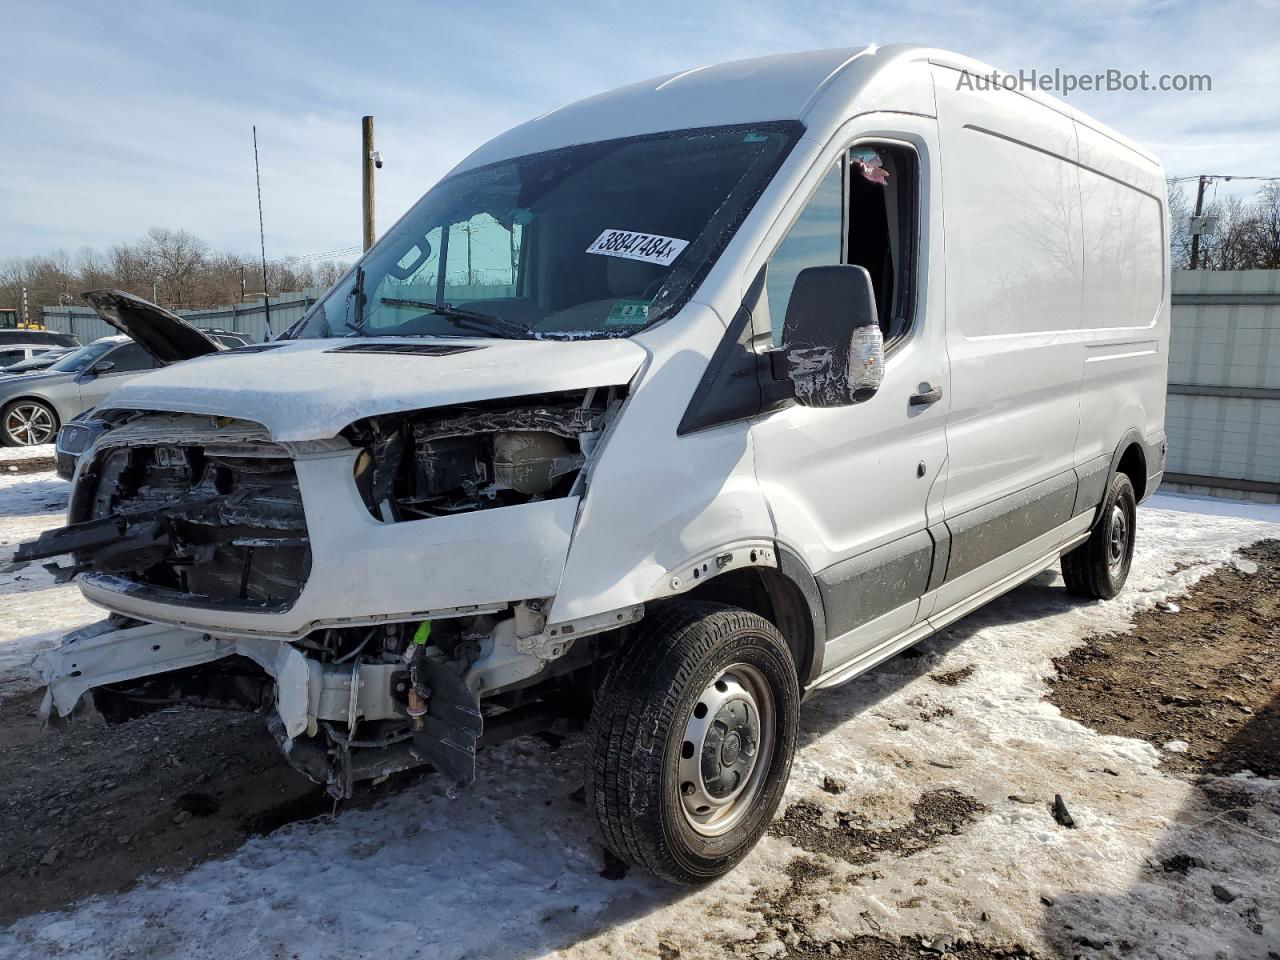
[42, 417]
[643, 712]
[1099, 567]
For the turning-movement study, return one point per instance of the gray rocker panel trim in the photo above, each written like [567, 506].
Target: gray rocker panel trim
[859, 589]
[984, 533]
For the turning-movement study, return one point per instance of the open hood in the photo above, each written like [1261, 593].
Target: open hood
[164, 335]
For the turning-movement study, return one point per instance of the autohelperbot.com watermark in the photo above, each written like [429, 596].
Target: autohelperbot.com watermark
[1065, 82]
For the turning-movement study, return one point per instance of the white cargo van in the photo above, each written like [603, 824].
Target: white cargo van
[667, 409]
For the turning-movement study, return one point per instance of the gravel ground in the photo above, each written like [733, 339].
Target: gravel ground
[920, 820]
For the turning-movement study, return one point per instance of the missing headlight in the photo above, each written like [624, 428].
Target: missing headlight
[433, 463]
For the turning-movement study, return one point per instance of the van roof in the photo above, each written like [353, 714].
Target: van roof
[788, 86]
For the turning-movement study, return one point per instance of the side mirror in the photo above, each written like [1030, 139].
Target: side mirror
[102, 366]
[831, 337]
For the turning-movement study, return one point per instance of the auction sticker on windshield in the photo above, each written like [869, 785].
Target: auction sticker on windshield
[648, 247]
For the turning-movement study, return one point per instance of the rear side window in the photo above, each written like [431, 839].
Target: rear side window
[12, 356]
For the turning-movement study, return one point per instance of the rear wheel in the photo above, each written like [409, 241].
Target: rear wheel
[692, 737]
[27, 423]
[1099, 567]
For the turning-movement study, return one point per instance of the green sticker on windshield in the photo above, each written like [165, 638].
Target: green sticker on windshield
[628, 313]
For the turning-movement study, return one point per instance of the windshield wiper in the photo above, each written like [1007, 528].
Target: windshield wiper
[466, 318]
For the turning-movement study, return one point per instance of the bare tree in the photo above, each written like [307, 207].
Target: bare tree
[177, 258]
[1179, 227]
[1266, 227]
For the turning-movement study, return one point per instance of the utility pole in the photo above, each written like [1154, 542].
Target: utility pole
[1195, 237]
[26, 321]
[470, 275]
[367, 160]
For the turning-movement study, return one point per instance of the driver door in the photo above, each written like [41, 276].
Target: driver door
[126, 362]
[854, 489]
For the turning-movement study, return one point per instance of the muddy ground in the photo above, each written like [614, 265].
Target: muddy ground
[1206, 675]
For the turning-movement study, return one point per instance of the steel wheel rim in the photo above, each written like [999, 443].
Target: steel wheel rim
[726, 750]
[1118, 538]
[29, 424]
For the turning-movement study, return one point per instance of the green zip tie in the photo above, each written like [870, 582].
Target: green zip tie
[423, 633]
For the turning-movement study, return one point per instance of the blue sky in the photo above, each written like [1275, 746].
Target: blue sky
[118, 117]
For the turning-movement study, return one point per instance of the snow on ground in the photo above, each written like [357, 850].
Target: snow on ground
[512, 868]
[34, 610]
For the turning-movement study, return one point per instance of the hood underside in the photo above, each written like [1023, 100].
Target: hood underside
[164, 335]
[311, 389]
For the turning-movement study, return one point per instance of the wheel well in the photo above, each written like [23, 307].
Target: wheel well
[771, 595]
[1133, 464]
[57, 420]
[40, 400]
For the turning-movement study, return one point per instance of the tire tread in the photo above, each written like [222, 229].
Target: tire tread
[635, 711]
[1084, 569]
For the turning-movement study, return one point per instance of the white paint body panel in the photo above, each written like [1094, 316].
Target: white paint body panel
[655, 500]
[1014, 276]
[1126, 303]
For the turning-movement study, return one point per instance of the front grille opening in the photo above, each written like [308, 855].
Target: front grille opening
[202, 526]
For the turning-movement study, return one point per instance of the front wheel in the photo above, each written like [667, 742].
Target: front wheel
[1099, 567]
[27, 423]
[692, 736]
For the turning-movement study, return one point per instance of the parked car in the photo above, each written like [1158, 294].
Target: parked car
[32, 407]
[796, 361]
[77, 435]
[45, 338]
[16, 354]
[40, 358]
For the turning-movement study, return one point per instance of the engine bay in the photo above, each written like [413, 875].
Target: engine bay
[454, 460]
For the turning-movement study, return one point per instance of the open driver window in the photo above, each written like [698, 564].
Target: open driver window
[863, 212]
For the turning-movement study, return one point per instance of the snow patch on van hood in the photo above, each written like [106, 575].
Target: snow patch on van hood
[311, 390]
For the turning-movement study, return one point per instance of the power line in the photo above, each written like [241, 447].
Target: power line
[1219, 176]
[322, 255]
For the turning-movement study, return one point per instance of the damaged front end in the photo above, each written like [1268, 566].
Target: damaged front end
[476, 457]
[381, 597]
[347, 705]
[196, 510]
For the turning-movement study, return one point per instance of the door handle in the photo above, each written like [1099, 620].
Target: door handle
[928, 395]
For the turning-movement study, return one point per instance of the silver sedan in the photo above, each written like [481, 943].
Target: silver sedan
[32, 407]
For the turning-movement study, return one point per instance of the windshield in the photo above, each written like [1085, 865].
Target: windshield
[38, 362]
[77, 360]
[595, 240]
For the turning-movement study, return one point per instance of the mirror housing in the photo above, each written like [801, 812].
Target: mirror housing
[102, 366]
[831, 337]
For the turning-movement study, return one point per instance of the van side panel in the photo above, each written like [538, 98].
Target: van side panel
[655, 500]
[1126, 300]
[1014, 294]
